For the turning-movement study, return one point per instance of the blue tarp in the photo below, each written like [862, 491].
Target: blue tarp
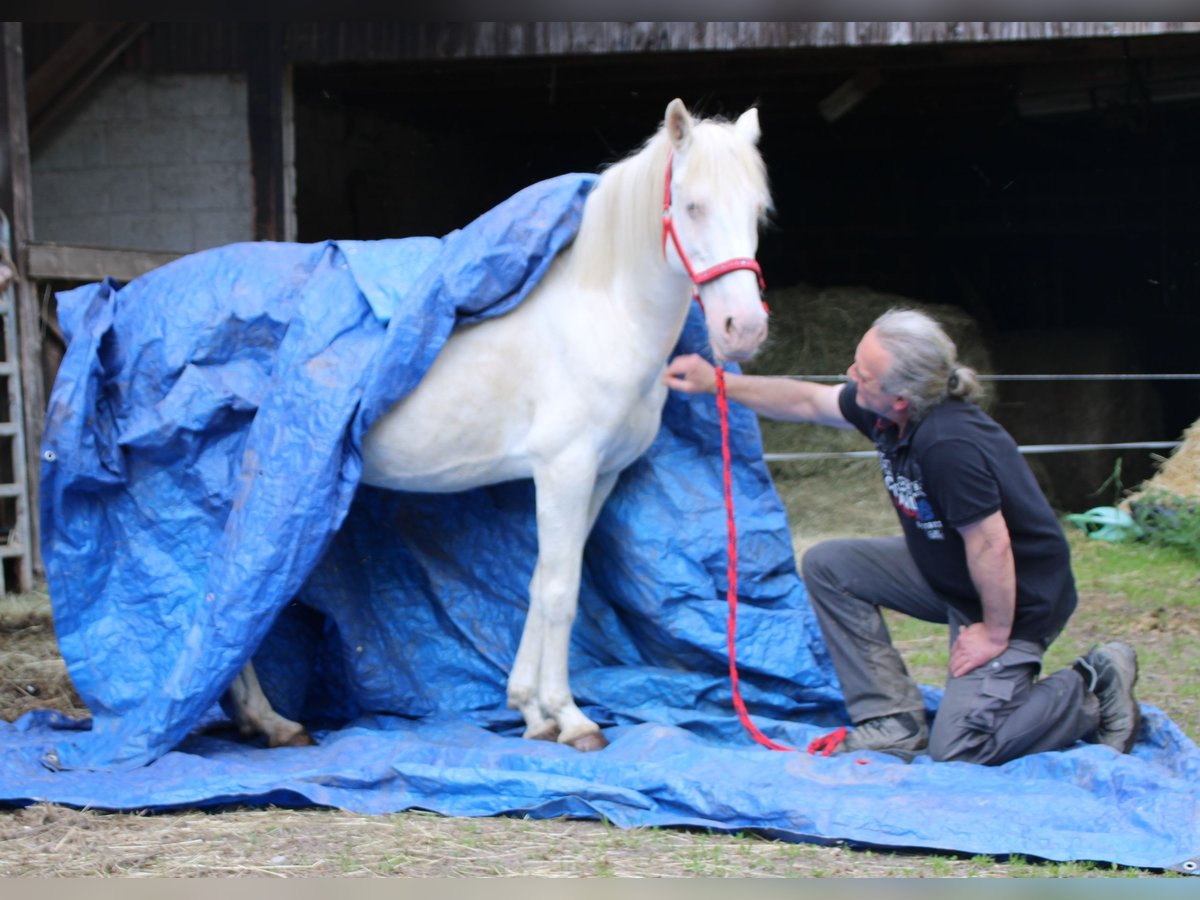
[200, 503]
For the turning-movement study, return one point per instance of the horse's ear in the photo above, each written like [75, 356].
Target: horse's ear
[679, 124]
[747, 125]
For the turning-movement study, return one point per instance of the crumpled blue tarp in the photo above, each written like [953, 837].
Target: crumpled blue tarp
[1088, 803]
[200, 504]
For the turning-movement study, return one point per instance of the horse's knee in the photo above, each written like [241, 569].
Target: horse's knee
[558, 596]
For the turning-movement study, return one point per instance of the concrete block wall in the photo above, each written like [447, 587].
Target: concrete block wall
[148, 163]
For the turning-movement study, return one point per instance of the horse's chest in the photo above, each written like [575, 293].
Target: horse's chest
[632, 428]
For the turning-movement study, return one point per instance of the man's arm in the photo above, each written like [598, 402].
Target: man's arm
[775, 397]
[990, 561]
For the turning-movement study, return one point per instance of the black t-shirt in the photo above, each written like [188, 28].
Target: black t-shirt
[953, 468]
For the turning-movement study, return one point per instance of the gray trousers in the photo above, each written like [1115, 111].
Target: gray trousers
[993, 714]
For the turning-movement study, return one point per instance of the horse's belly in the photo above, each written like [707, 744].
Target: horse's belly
[411, 452]
[402, 472]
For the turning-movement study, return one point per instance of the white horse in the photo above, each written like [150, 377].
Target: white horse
[567, 387]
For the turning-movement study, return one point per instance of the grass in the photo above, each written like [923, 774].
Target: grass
[1169, 521]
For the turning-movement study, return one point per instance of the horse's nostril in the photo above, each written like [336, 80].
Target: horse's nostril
[729, 325]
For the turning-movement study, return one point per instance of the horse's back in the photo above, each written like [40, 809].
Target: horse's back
[509, 391]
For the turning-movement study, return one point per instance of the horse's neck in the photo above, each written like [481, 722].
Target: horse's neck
[621, 256]
[658, 306]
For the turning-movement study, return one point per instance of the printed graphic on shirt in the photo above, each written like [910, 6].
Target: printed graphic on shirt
[909, 497]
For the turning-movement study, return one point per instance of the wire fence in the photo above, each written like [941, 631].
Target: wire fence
[1024, 448]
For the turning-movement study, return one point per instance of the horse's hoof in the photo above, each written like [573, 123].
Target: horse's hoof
[587, 743]
[548, 732]
[299, 739]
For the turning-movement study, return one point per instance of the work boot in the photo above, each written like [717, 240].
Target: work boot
[902, 734]
[1113, 671]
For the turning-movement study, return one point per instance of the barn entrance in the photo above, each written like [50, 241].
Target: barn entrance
[1047, 188]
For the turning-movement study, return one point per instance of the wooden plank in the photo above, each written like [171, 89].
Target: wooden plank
[329, 42]
[73, 263]
[265, 110]
[66, 63]
[86, 55]
[223, 46]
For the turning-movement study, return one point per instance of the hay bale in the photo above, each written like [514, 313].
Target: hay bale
[1178, 476]
[814, 331]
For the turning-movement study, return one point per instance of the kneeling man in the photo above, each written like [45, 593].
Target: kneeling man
[982, 551]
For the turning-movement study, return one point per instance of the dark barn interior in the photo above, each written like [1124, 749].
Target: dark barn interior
[1048, 188]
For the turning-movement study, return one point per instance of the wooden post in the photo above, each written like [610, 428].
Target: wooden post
[265, 70]
[15, 195]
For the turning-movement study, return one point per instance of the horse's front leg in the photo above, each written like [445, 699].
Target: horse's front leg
[569, 497]
[254, 715]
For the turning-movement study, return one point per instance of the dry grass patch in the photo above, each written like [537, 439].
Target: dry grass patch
[32, 673]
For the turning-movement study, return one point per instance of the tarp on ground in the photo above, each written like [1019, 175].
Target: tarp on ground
[201, 503]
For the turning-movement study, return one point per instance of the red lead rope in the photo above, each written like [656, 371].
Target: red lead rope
[825, 744]
[731, 527]
[699, 278]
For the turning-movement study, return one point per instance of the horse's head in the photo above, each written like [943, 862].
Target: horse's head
[715, 198]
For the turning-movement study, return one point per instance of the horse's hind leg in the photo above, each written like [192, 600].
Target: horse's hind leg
[569, 497]
[254, 715]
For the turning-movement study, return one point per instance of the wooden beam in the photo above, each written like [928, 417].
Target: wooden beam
[265, 108]
[73, 263]
[73, 67]
[66, 63]
[17, 195]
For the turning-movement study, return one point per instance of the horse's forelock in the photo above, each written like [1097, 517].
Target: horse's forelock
[719, 155]
[623, 213]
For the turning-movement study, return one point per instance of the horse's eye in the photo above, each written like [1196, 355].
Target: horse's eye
[694, 210]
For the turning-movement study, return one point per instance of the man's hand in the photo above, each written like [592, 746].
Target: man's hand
[691, 374]
[974, 646]
[993, 569]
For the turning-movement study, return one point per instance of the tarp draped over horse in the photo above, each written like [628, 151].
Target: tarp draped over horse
[200, 503]
[203, 449]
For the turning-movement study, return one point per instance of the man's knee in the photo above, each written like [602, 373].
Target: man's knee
[820, 563]
[966, 746]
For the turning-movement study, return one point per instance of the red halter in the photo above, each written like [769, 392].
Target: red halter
[713, 272]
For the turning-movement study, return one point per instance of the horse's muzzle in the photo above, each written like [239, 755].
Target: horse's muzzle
[739, 340]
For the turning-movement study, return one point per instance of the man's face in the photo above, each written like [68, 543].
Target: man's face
[871, 362]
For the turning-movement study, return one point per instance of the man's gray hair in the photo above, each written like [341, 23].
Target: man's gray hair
[925, 367]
